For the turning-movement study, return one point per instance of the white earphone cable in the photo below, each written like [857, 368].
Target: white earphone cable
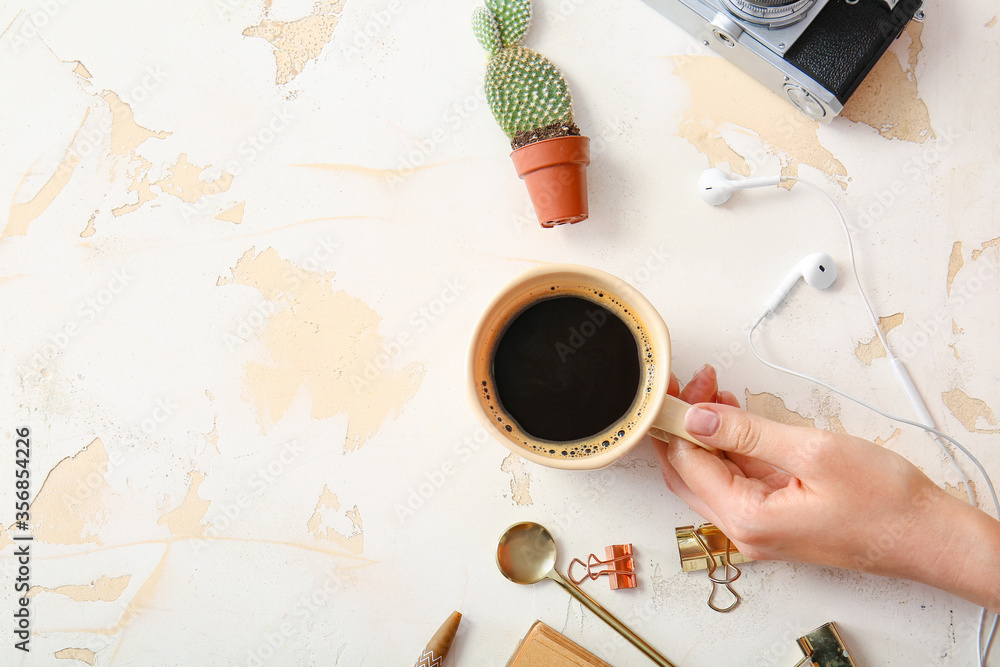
[989, 483]
[939, 437]
[878, 329]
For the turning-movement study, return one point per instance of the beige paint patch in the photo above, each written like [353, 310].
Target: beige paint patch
[888, 99]
[89, 230]
[834, 424]
[20, 216]
[955, 264]
[185, 182]
[81, 70]
[297, 42]
[774, 408]
[723, 98]
[883, 443]
[520, 479]
[81, 654]
[69, 505]
[355, 541]
[970, 410]
[322, 341]
[954, 348]
[104, 589]
[185, 519]
[955, 329]
[126, 134]
[992, 22]
[234, 214]
[140, 185]
[873, 349]
[992, 243]
[958, 490]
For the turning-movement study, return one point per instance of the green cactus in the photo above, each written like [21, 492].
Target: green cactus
[526, 93]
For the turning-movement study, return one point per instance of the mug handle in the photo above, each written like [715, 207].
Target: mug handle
[670, 422]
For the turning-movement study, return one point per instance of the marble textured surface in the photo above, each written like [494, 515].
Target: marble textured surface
[243, 248]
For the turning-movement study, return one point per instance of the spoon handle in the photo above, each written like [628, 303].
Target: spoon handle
[608, 618]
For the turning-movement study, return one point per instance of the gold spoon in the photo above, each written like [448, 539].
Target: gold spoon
[526, 554]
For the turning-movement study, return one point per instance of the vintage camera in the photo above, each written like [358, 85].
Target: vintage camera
[814, 53]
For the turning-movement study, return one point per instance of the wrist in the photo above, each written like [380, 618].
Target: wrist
[956, 550]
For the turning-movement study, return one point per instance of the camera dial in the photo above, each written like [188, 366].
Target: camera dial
[769, 13]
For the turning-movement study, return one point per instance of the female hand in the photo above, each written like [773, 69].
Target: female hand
[803, 494]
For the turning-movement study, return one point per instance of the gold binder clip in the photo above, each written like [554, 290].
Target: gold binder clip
[707, 548]
[824, 647]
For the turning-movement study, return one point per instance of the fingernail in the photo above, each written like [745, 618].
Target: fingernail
[700, 421]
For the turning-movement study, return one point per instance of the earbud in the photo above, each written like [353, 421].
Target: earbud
[817, 269]
[715, 186]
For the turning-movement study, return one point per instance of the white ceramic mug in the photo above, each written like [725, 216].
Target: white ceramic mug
[653, 411]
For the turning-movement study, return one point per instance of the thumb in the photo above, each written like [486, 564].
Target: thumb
[734, 430]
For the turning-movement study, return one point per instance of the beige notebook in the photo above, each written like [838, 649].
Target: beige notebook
[544, 647]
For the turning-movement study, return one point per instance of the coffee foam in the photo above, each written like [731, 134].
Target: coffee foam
[598, 443]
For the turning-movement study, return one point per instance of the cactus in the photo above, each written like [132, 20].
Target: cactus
[526, 92]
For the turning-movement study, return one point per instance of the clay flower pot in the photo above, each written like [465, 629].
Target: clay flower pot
[555, 172]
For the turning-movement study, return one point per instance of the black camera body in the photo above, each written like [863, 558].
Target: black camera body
[815, 53]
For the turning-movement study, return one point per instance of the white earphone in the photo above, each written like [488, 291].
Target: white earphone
[817, 269]
[716, 187]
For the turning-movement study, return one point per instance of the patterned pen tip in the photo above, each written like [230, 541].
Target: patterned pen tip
[440, 643]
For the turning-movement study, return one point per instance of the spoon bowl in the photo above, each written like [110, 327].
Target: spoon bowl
[526, 553]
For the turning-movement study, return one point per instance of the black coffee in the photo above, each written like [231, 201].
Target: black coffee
[566, 368]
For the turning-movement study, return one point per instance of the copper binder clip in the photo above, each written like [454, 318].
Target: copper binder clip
[620, 567]
[707, 548]
[824, 647]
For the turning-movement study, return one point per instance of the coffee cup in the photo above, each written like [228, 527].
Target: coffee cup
[569, 367]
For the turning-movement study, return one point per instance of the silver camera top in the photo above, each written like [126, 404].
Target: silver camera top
[814, 53]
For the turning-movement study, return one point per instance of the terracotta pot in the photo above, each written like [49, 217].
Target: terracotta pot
[555, 171]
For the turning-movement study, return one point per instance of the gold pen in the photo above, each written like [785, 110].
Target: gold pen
[440, 643]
